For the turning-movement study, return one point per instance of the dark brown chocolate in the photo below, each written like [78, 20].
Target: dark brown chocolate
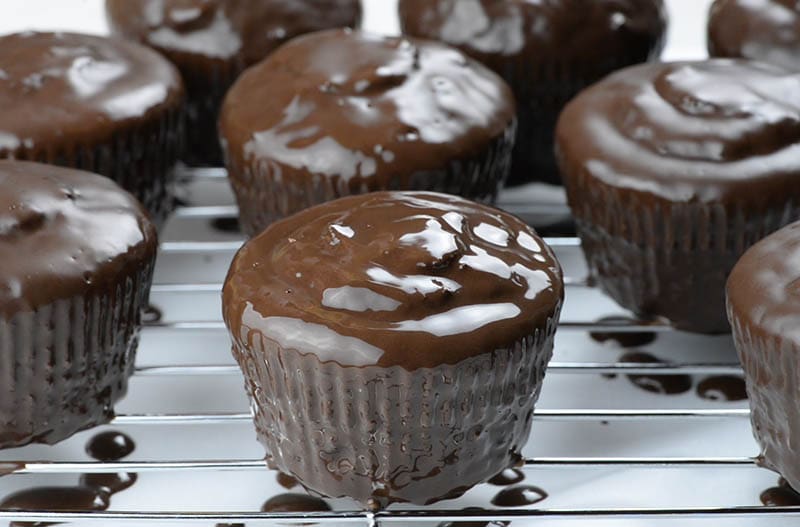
[762, 30]
[672, 171]
[547, 51]
[76, 261]
[764, 309]
[350, 112]
[393, 343]
[213, 41]
[92, 103]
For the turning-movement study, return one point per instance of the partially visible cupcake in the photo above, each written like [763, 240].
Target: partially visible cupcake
[345, 112]
[213, 41]
[547, 51]
[394, 343]
[764, 311]
[672, 171]
[763, 30]
[77, 258]
[93, 103]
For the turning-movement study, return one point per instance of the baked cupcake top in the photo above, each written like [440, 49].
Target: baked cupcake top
[410, 279]
[239, 30]
[65, 232]
[764, 30]
[562, 31]
[67, 89]
[351, 104]
[764, 286]
[687, 131]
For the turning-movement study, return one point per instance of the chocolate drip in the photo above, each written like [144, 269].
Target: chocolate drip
[621, 338]
[152, 314]
[293, 502]
[654, 383]
[509, 476]
[519, 496]
[781, 495]
[227, 224]
[286, 481]
[110, 446]
[722, 388]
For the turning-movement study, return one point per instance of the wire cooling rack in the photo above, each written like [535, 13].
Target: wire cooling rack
[606, 448]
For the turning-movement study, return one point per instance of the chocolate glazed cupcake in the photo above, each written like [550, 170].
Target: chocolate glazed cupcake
[213, 41]
[547, 51]
[763, 30]
[764, 310]
[76, 262]
[349, 112]
[394, 344]
[672, 171]
[99, 104]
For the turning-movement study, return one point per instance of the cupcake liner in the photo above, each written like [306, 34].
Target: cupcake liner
[65, 364]
[267, 191]
[140, 157]
[542, 90]
[667, 259]
[771, 374]
[383, 435]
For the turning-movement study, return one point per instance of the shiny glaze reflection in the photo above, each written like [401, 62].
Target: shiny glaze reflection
[53, 84]
[452, 277]
[655, 383]
[761, 30]
[705, 131]
[519, 496]
[366, 109]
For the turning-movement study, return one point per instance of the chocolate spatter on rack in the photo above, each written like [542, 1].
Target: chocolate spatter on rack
[295, 502]
[623, 339]
[672, 171]
[363, 113]
[781, 495]
[110, 446]
[509, 476]
[405, 302]
[487, 523]
[654, 382]
[722, 388]
[519, 496]
[92, 103]
[226, 224]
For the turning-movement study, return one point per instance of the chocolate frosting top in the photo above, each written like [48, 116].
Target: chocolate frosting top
[352, 104]
[65, 232]
[410, 279]
[764, 30]
[568, 31]
[687, 131]
[239, 30]
[764, 286]
[66, 88]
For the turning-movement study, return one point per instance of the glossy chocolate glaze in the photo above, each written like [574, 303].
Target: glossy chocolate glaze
[722, 388]
[77, 255]
[764, 309]
[762, 30]
[393, 279]
[110, 446]
[351, 112]
[655, 383]
[213, 41]
[94, 103]
[547, 51]
[672, 171]
[403, 334]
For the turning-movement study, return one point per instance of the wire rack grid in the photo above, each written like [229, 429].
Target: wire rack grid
[607, 451]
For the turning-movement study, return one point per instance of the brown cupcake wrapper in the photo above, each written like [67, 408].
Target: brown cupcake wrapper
[265, 194]
[141, 158]
[667, 260]
[383, 435]
[772, 375]
[65, 364]
[542, 90]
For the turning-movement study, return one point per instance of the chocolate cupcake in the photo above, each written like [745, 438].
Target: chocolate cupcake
[672, 171]
[93, 103]
[77, 257]
[547, 51]
[764, 311]
[763, 30]
[213, 41]
[394, 343]
[348, 112]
